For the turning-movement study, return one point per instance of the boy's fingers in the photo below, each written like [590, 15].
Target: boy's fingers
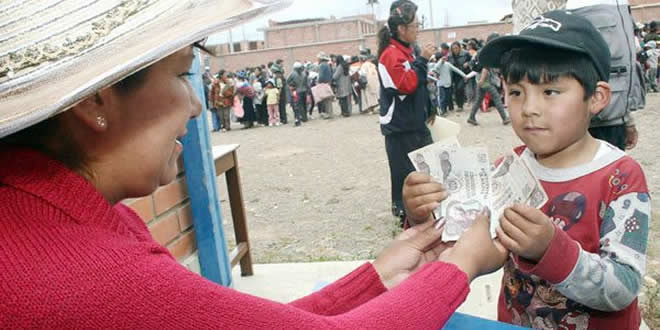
[426, 188]
[529, 213]
[426, 208]
[517, 220]
[417, 178]
[435, 197]
[511, 230]
[506, 241]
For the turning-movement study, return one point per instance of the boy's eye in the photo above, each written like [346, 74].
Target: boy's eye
[551, 92]
[514, 93]
[186, 74]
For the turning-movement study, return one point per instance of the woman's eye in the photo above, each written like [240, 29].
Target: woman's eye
[187, 74]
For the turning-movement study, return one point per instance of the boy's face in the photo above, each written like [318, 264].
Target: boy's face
[550, 118]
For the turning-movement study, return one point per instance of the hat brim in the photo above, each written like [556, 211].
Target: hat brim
[55, 87]
[491, 55]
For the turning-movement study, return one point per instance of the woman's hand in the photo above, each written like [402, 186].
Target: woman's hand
[408, 252]
[476, 253]
[421, 195]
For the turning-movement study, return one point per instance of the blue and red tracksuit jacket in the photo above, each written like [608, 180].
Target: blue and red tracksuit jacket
[404, 98]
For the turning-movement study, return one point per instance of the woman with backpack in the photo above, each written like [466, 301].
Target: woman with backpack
[342, 80]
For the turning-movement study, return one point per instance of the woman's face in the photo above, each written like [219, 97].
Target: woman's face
[455, 49]
[147, 124]
[409, 32]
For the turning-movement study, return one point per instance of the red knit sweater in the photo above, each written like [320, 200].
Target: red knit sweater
[69, 259]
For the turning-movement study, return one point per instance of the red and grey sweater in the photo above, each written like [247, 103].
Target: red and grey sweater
[592, 271]
[69, 259]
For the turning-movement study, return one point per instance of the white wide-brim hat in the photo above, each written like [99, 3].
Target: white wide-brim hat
[54, 53]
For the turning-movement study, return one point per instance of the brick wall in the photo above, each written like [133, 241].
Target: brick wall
[351, 44]
[168, 215]
[321, 31]
[289, 55]
[647, 13]
[307, 52]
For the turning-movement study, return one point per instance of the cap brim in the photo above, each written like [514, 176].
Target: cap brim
[491, 55]
[50, 89]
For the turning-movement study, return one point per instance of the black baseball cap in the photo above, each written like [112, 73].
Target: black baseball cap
[558, 29]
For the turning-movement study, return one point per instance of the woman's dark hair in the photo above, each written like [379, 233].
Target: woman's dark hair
[62, 146]
[344, 65]
[402, 12]
[132, 82]
[543, 65]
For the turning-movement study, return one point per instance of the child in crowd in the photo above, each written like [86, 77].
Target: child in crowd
[272, 101]
[443, 71]
[652, 54]
[578, 262]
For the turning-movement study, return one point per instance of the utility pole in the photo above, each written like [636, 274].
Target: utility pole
[372, 3]
[431, 12]
[231, 42]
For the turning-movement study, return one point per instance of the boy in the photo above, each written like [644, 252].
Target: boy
[578, 262]
[652, 60]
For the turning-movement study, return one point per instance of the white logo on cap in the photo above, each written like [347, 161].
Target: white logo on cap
[544, 22]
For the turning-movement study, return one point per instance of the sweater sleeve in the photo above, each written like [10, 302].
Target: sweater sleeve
[154, 291]
[351, 291]
[611, 281]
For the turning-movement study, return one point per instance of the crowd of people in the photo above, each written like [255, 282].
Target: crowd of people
[258, 96]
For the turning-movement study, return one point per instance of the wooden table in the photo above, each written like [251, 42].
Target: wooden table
[226, 162]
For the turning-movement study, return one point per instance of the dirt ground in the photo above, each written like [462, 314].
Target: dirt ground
[321, 192]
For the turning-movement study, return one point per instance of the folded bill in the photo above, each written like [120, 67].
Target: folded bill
[475, 185]
[513, 183]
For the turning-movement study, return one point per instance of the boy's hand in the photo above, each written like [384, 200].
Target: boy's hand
[526, 232]
[421, 195]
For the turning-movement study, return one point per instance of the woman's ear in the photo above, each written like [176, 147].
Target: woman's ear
[601, 98]
[93, 111]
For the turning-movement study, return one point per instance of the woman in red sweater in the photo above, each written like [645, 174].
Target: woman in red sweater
[94, 99]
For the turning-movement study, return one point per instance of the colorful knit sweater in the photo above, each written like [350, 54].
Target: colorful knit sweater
[592, 271]
[69, 259]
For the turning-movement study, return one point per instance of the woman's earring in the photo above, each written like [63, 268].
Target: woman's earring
[100, 120]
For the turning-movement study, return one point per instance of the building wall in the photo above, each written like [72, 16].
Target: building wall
[649, 11]
[351, 42]
[168, 215]
[323, 31]
[347, 46]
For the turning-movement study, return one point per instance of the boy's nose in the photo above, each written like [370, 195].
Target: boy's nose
[530, 107]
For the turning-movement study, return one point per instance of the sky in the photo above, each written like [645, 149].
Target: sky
[457, 12]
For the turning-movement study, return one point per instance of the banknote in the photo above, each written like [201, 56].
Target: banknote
[466, 176]
[513, 183]
[426, 160]
[475, 185]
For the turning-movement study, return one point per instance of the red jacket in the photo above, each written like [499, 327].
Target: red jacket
[404, 98]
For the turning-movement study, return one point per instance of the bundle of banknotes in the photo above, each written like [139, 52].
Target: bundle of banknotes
[475, 185]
